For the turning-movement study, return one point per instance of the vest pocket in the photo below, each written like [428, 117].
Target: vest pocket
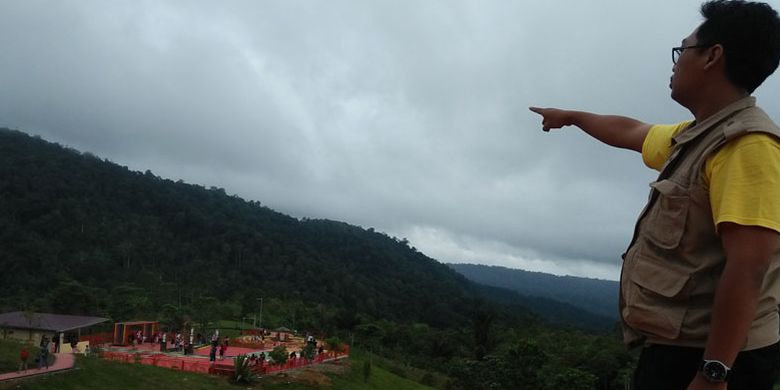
[657, 300]
[665, 225]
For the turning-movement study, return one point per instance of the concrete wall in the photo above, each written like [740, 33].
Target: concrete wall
[26, 335]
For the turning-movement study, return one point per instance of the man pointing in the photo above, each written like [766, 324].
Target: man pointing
[700, 284]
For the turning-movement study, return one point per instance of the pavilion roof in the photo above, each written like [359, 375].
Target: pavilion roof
[47, 321]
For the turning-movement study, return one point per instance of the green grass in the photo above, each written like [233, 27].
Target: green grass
[380, 379]
[9, 355]
[93, 373]
[229, 328]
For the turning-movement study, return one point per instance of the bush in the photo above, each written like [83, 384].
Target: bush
[334, 344]
[366, 370]
[308, 352]
[397, 370]
[428, 379]
[242, 374]
[279, 355]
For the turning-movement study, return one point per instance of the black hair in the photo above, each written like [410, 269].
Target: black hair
[750, 35]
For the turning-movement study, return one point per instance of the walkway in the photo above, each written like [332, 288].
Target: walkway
[63, 361]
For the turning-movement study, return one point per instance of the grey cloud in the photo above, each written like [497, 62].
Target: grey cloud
[404, 116]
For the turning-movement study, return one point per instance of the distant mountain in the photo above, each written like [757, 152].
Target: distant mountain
[553, 311]
[593, 295]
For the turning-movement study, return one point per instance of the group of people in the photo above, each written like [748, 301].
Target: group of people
[216, 345]
[42, 359]
[179, 342]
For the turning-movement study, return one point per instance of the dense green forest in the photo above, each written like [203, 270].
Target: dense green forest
[597, 296]
[82, 235]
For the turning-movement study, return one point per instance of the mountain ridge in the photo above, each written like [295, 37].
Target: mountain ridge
[596, 296]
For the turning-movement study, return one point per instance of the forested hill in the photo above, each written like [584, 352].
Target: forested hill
[83, 235]
[79, 233]
[594, 295]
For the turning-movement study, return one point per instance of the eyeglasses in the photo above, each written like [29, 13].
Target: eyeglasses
[677, 51]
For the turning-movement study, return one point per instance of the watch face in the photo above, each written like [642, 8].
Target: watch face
[714, 371]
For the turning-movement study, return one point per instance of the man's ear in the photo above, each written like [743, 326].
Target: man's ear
[715, 56]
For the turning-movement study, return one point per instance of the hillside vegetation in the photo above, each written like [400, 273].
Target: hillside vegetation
[596, 296]
[82, 235]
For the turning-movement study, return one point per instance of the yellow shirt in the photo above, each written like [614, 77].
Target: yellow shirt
[743, 176]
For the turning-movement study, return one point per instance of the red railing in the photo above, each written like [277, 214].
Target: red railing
[98, 338]
[205, 367]
[266, 368]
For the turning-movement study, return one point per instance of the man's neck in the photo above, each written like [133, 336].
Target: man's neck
[715, 102]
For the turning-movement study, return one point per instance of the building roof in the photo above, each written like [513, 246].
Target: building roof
[47, 321]
[130, 323]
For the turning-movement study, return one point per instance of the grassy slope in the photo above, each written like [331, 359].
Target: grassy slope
[92, 373]
[9, 355]
[379, 379]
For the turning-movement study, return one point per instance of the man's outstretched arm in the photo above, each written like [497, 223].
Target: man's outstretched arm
[618, 131]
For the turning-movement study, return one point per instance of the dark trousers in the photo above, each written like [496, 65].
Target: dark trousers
[664, 367]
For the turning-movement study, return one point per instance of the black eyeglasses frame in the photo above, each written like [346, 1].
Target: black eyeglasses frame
[677, 51]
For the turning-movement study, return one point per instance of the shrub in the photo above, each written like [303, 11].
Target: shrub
[279, 355]
[334, 344]
[243, 374]
[366, 370]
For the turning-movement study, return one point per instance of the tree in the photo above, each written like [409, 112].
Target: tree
[366, 370]
[334, 344]
[5, 329]
[557, 377]
[483, 318]
[524, 360]
[243, 373]
[279, 355]
[33, 320]
[205, 311]
[170, 316]
[71, 297]
[347, 319]
[128, 302]
[308, 351]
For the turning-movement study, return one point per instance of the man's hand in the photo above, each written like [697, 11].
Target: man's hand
[699, 383]
[618, 131]
[552, 118]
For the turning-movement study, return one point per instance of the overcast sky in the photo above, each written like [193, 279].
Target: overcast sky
[406, 116]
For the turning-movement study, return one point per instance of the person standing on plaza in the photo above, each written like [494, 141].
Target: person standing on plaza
[213, 351]
[43, 358]
[23, 356]
[700, 284]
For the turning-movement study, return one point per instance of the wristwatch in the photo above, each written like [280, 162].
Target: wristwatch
[714, 370]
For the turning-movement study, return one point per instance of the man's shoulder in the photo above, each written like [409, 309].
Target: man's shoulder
[751, 120]
[757, 146]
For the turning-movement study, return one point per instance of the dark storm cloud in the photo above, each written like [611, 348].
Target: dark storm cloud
[409, 117]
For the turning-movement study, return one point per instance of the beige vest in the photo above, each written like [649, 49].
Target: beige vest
[674, 262]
